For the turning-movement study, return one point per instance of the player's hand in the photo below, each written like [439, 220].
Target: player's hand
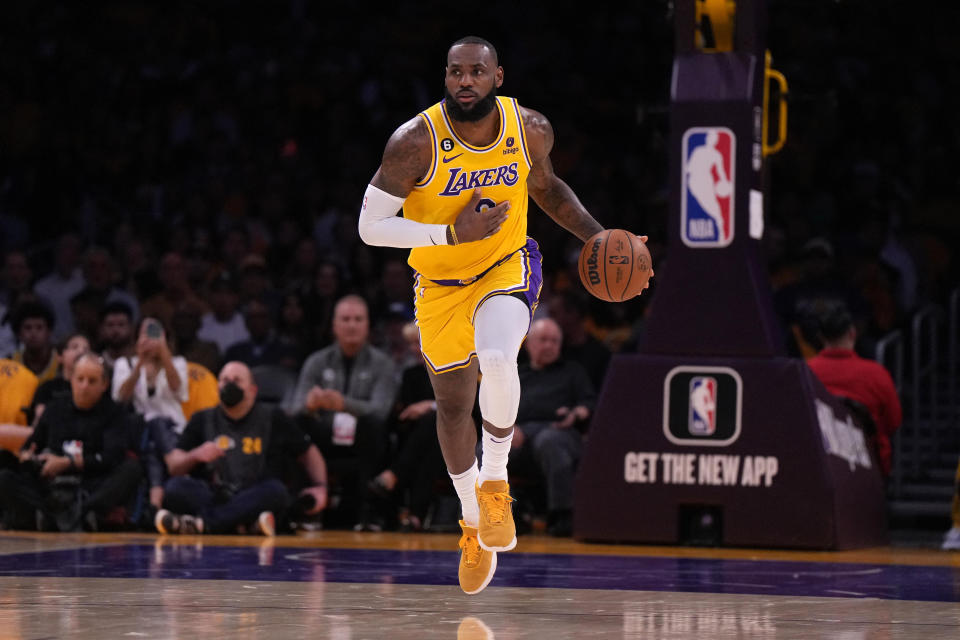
[518, 438]
[207, 452]
[473, 225]
[644, 239]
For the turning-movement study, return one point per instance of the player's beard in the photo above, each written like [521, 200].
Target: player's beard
[480, 108]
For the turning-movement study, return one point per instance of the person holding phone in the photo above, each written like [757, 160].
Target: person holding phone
[155, 383]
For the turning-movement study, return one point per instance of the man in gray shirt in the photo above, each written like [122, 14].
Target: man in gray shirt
[344, 395]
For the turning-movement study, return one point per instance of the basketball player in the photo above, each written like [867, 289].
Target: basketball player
[461, 171]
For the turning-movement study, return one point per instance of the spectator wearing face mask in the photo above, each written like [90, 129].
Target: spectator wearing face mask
[227, 466]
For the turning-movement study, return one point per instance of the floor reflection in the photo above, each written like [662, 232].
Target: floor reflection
[472, 628]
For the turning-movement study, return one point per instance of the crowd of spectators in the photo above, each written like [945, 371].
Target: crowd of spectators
[202, 166]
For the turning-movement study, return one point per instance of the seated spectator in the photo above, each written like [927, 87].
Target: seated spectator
[116, 332]
[175, 290]
[8, 339]
[327, 287]
[846, 374]
[185, 323]
[33, 325]
[254, 283]
[419, 462]
[227, 465]
[393, 290]
[345, 393]
[293, 328]
[16, 278]
[74, 468]
[155, 383]
[75, 346]
[100, 274]
[819, 278]
[556, 402]
[64, 282]
[264, 346]
[223, 324]
[17, 388]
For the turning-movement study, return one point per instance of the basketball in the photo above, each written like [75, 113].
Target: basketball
[615, 265]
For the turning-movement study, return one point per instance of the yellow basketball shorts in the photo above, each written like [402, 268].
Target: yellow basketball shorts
[445, 309]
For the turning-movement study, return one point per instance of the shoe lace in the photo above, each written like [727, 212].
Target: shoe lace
[470, 548]
[495, 505]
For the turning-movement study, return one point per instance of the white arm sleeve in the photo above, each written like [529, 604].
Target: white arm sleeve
[380, 226]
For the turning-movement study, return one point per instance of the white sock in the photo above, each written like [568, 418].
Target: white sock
[465, 484]
[496, 451]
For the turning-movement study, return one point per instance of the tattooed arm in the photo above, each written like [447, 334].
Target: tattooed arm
[552, 194]
[406, 159]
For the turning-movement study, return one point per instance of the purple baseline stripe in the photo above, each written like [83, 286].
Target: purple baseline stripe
[531, 570]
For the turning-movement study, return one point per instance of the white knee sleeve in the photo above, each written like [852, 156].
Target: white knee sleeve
[499, 388]
[501, 323]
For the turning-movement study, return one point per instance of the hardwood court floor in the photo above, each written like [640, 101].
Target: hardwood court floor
[346, 586]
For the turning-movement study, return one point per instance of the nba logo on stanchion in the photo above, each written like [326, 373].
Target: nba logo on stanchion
[702, 420]
[702, 406]
[706, 199]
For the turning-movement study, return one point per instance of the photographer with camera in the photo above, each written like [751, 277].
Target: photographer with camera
[155, 383]
[73, 468]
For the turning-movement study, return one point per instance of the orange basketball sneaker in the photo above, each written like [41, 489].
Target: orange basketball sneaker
[497, 530]
[477, 565]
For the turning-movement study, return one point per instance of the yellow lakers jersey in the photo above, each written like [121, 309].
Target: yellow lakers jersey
[49, 372]
[17, 385]
[204, 392]
[457, 168]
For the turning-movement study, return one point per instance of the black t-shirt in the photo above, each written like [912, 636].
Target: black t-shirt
[99, 432]
[260, 445]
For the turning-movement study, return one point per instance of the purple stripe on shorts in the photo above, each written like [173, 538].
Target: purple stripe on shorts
[534, 264]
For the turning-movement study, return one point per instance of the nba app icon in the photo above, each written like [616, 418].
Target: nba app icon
[702, 420]
[706, 199]
[702, 406]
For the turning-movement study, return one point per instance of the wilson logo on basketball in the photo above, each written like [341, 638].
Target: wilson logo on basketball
[593, 260]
